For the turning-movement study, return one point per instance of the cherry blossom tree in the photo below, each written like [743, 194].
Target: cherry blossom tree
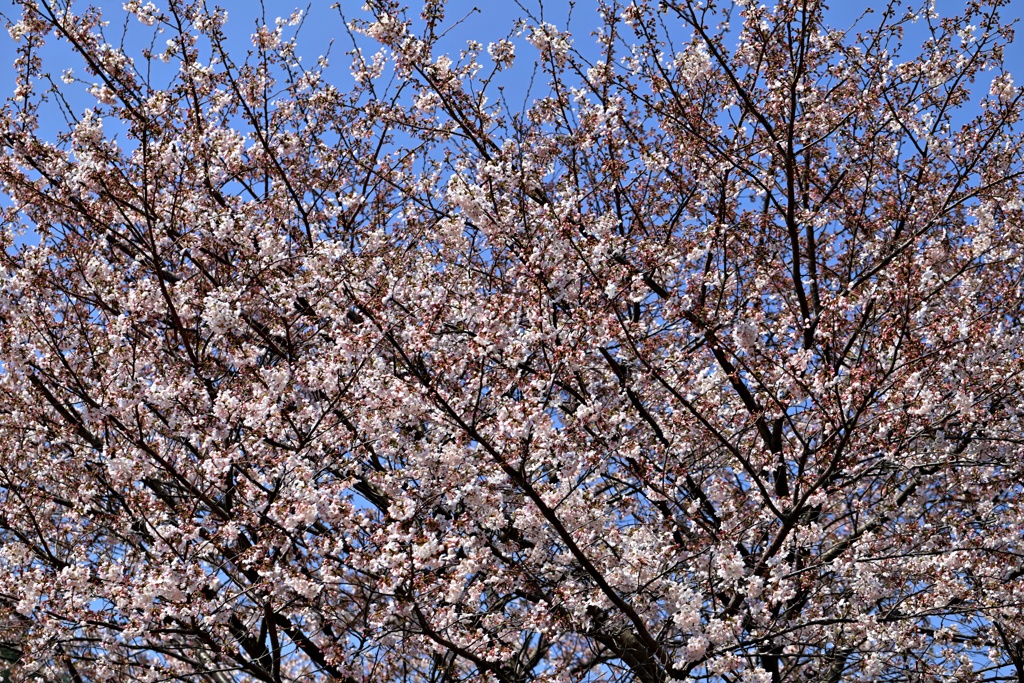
[704, 364]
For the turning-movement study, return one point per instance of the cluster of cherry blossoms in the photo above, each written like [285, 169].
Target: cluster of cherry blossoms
[703, 365]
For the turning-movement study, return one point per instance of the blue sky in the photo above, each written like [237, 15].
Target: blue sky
[482, 20]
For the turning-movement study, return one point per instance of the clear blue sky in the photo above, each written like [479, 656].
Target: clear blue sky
[484, 21]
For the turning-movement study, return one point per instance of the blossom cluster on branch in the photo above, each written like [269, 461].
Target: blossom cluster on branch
[704, 365]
